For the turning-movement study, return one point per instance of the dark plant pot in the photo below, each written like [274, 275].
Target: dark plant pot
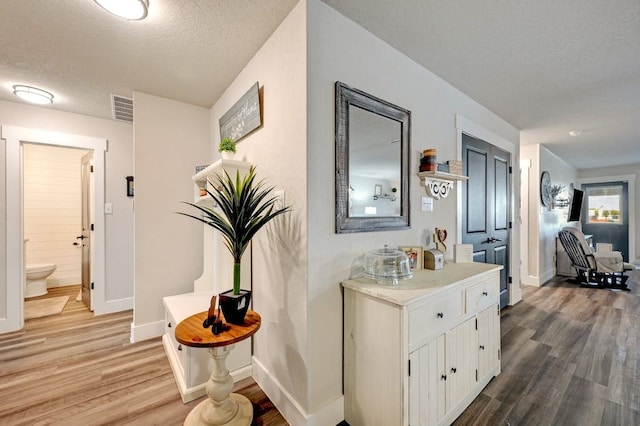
[235, 306]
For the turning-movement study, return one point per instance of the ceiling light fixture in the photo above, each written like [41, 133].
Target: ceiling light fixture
[575, 133]
[131, 10]
[33, 94]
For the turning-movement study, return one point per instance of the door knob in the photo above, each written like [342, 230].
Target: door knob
[81, 237]
[491, 240]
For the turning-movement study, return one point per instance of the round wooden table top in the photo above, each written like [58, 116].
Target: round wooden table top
[190, 332]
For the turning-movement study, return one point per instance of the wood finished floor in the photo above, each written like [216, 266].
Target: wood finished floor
[79, 369]
[570, 356]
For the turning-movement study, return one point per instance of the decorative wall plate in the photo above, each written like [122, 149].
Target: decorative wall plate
[545, 187]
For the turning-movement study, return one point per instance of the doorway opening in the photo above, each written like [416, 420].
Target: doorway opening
[56, 200]
[13, 283]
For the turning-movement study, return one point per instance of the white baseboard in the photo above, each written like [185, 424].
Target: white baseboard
[531, 280]
[330, 414]
[146, 331]
[546, 277]
[62, 282]
[515, 294]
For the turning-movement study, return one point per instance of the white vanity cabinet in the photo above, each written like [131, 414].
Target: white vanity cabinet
[192, 366]
[419, 353]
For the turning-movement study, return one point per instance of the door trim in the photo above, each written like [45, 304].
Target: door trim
[631, 179]
[14, 137]
[468, 127]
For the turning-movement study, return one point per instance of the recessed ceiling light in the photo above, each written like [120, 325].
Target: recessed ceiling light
[575, 133]
[33, 94]
[131, 10]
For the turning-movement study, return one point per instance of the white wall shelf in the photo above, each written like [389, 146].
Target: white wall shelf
[200, 179]
[439, 184]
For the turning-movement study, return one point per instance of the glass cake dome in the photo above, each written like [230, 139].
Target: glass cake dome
[387, 266]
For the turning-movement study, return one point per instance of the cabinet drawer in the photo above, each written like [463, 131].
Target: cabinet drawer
[180, 351]
[482, 295]
[433, 318]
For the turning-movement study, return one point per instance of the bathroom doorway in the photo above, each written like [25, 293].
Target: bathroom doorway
[13, 284]
[56, 218]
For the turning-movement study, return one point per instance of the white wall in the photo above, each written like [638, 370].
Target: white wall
[544, 224]
[53, 210]
[171, 138]
[340, 50]
[118, 163]
[604, 173]
[280, 251]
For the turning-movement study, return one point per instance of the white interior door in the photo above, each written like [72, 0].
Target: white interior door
[85, 236]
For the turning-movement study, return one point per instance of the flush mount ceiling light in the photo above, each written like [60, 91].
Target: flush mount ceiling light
[33, 94]
[131, 10]
[575, 133]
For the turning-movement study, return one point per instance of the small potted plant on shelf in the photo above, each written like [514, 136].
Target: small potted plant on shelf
[244, 206]
[227, 148]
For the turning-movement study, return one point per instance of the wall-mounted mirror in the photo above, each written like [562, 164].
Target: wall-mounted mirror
[372, 162]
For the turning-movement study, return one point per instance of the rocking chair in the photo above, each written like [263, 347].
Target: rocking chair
[595, 270]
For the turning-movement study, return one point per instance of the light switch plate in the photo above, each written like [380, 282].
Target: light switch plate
[108, 208]
[427, 204]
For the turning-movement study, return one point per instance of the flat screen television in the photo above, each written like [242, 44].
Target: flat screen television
[575, 206]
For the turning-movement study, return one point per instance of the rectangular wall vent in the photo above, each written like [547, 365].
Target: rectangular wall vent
[122, 108]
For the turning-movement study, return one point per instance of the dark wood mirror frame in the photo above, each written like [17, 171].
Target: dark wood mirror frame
[345, 98]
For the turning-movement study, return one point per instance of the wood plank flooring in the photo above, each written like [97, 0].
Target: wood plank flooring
[79, 369]
[570, 356]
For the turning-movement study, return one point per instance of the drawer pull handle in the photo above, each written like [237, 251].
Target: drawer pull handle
[169, 325]
[443, 377]
[482, 347]
[484, 293]
[453, 370]
[179, 347]
[440, 315]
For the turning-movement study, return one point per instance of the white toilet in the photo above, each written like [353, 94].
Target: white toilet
[36, 277]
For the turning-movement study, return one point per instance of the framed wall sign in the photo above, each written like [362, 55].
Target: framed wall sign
[243, 117]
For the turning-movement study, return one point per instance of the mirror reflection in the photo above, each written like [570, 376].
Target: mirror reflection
[372, 162]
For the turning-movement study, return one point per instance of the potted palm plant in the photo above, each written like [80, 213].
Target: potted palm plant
[227, 148]
[244, 206]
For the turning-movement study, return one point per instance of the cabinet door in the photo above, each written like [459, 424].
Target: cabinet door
[425, 383]
[488, 332]
[460, 363]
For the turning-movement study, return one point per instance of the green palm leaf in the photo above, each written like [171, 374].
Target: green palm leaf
[244, 206]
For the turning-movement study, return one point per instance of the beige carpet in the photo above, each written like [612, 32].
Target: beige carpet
[44, 307]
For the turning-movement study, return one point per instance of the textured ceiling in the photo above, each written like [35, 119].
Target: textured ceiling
[189, 51]
[545, 66]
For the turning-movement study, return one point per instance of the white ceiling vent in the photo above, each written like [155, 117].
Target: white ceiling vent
[122, 108]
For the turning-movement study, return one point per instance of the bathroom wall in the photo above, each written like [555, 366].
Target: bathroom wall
[52, 210]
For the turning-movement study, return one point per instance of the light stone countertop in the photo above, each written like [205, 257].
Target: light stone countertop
[425, 282]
